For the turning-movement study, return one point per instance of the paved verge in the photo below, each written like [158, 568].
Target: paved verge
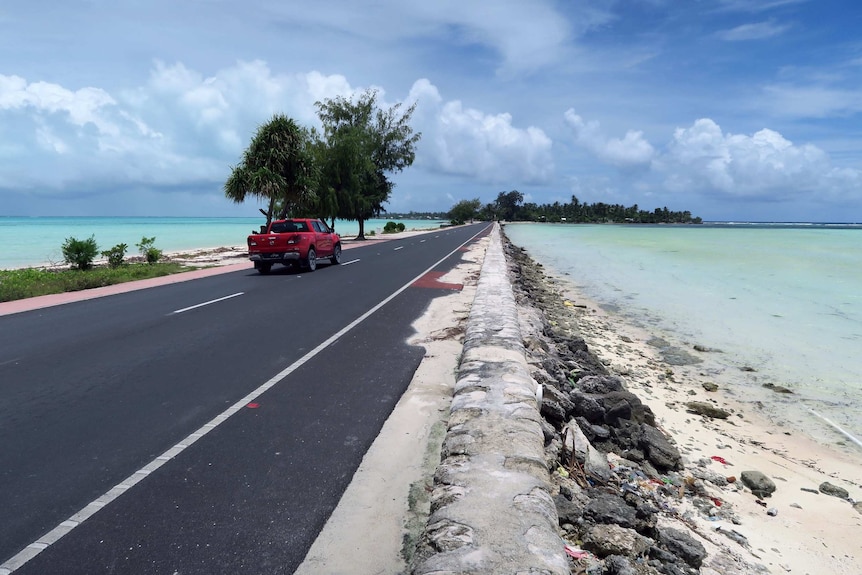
[490, 509]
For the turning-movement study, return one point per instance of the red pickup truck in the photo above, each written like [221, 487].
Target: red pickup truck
[298, 241]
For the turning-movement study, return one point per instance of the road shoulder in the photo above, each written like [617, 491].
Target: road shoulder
[384, 509]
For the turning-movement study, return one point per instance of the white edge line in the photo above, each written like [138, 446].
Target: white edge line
[65, 527]
[207, 302]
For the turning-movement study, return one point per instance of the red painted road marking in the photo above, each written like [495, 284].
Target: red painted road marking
[431, 280]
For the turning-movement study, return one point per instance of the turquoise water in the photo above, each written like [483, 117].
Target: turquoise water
[33, 241]
[785, 300]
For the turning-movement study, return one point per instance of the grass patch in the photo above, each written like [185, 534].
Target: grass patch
[32, 282]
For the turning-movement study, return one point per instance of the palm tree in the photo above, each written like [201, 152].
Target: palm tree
[277, 166]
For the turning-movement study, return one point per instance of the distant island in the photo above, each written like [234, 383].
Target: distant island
[510, 206]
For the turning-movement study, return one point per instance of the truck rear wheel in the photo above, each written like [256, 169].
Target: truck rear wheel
[312, 260]
[336, 254]
[263, 267]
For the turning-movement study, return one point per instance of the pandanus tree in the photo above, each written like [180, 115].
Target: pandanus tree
[276, 168]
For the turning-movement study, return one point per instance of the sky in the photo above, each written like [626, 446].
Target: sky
[731, 109]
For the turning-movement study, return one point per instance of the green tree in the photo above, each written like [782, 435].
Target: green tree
[361, 144]
[277, 167]
[116, 255]
[507, 204]
[80, 253]
[148, 249]
[464, 210]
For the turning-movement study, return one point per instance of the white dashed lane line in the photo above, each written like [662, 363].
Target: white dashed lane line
[208, 302]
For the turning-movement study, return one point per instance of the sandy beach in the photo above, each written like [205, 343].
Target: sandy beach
[797, 529]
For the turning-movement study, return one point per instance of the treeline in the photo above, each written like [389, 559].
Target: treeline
[509, 206]
[411, 215]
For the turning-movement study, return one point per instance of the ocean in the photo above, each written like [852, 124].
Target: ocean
[783, 299]
[35, 241]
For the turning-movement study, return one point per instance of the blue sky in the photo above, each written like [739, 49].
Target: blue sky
[733, 109]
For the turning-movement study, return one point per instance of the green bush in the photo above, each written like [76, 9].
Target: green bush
[153, 255]
[148, 250]
[80, 253]
[392, 227]
[116, 255]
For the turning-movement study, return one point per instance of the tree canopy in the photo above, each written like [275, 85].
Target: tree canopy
[464, 211]
[342, 172]
[361, 144]
[277, 167]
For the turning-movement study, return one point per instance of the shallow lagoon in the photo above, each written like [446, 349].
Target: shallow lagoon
[32, 241]
[785, 300]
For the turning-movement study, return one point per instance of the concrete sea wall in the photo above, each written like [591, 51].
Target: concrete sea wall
[491, 511]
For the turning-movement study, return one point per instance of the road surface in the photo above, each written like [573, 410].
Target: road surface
[208, 426]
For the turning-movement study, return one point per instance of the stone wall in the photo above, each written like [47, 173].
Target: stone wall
[491, 511]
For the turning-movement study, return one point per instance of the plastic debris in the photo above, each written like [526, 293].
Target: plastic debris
[252, 405]
[576, 553]
[720, 459]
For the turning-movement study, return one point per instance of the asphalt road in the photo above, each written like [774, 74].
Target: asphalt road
[94, 392]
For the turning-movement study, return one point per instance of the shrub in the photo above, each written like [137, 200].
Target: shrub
[80, 253]
[115, 255]
[148, 250]
[392, 227]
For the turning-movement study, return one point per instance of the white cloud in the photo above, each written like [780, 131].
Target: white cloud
[810, 101]
[755, 6]
[183, 128]
[81, 107]
[754, 31]
[764, 165]
[525, 36]
[466, 141]
[703, 160]
[632, 151]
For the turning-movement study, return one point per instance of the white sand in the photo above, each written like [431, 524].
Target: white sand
[812, 533]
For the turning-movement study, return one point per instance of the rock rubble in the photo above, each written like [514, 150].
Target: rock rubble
[624, 497]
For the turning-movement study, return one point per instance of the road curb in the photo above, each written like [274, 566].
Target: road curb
[491, 511]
